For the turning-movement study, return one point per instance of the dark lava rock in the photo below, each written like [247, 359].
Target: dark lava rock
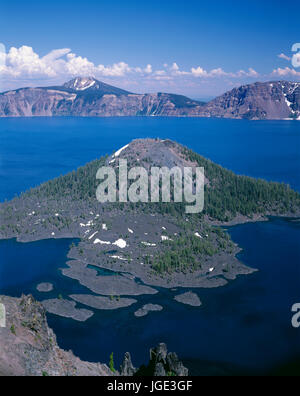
[176, 366]
[163, 364]
[148, 308]
[127, 369]
[189, 298]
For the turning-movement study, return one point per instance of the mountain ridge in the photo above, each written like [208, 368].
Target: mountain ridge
[88, 97]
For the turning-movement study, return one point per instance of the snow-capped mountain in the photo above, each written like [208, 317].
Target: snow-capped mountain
[91, 84]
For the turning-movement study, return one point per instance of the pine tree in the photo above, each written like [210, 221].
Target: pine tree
[111, 363]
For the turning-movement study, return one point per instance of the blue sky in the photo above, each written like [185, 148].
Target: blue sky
[196, 48]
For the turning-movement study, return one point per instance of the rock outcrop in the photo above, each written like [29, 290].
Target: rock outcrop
[163, 364]
[28, 346]
[127, 369]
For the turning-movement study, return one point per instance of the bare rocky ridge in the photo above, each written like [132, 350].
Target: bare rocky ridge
[87, 97]
[28, 346]
[273, 100]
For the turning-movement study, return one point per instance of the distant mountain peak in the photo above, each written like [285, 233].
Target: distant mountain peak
[87, 84]
[81, 83]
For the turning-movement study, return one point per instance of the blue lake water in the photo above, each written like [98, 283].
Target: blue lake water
[34, 150]
[244, 326]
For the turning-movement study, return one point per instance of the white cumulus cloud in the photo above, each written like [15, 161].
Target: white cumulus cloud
[148, 69]
[24, 66]
[219, 72]
[286, 72]
[23, 62]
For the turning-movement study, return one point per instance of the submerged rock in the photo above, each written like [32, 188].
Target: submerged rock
[45, 287]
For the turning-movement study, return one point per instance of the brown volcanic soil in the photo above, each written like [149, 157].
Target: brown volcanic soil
[28, 346]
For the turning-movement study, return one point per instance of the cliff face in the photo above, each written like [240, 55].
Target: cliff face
[274, 100]
[28, 346]
[89, 97]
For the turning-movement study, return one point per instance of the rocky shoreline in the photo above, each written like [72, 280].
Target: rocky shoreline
[115, 285]
[218, 271]
[103, 303]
